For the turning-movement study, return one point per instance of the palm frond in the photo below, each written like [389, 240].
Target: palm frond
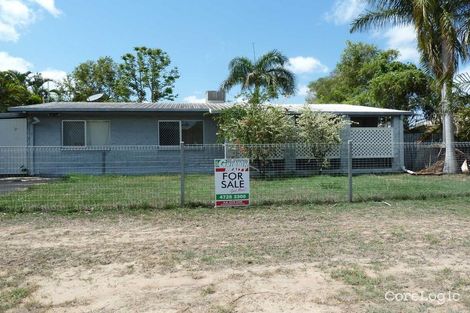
[379, 19]
[271, 59]
[283, 80]
[264, 79]
[462, 81]
[239, 68]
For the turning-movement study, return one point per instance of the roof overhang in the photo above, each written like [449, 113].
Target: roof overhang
[11, 115]
[213, 108]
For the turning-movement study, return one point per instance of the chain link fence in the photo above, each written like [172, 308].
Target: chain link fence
[89, 178]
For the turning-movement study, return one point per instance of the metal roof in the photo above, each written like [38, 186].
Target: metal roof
[119, 107]
[57, 107]
[346, 109]
[11, 115]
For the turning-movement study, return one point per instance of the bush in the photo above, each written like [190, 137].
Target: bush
[250, 125]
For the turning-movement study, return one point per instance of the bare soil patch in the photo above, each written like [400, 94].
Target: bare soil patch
[338, 258]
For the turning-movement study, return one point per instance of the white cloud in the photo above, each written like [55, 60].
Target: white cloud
[403, 39]
[303, 90]
[8, 32]
[8, 62]
[303, 65]
[15, 12]
[194, 99]
[15, 15]
[344, 11]
[49, 6]
[54, 74]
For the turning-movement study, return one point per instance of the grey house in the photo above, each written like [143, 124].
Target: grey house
[134, 138]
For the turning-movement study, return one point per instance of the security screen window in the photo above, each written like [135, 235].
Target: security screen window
[171, 133]
[73, 133]
[85, 133]
[192, 132]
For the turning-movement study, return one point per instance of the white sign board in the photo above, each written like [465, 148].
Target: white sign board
[232, 182]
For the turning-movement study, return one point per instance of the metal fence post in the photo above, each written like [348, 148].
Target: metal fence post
[350, 177]
[225, 149]
[182, 175]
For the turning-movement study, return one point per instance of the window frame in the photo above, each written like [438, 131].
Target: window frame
[84, 132]
[85, 125]
[180, 130]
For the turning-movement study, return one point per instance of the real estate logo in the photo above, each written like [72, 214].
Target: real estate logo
[232, 182]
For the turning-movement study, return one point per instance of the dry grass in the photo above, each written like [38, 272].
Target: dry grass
[338, 258]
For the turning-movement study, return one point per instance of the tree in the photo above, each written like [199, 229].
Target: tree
[249, 125]
[147, 75]
[462, 106]
[40, 86]
[255, 124]
[443, 34]
[20, 89]
[320, 131]
[263, 79]
[369, 76]
[93, 77]
[258, 129]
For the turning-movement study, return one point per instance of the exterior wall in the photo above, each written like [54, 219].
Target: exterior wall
[398, 141]
[13, 133]
[140, 130]
[126, 129]
[47, 157]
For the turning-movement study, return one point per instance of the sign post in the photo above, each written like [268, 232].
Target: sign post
[232, 182]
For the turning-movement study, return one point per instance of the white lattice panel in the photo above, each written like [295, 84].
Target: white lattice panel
[372, 142]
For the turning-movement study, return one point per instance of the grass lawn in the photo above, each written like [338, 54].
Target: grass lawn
[277, 258]
[89, 192]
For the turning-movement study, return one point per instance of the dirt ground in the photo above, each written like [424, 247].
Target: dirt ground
[296, 259]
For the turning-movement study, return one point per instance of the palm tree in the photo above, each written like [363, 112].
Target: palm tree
[262, 79]
[443, 35]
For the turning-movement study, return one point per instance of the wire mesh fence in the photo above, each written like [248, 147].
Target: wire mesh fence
[89, 178]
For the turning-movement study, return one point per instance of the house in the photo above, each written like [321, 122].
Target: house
[90, 137]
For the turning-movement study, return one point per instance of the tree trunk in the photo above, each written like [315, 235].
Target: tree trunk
[450, 162]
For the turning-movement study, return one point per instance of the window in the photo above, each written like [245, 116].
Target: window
[85, 133]
[171, 133]
[97, 133]
[73, 133]
[192, 132]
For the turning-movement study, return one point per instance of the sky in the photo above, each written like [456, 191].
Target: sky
[201, 37]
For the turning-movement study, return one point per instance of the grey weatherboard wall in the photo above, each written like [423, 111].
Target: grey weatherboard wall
[126, 129]
[46, 157]
[134, 146]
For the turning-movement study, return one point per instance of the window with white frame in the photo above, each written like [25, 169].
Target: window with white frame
[85, 133]
[171, 133]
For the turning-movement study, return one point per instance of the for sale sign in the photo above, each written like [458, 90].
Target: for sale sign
[232, 182]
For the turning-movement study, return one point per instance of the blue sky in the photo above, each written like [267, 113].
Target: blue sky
[53, 36]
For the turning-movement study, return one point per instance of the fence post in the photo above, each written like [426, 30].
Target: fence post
[225, 149]
[350, 177]
[182, 175]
